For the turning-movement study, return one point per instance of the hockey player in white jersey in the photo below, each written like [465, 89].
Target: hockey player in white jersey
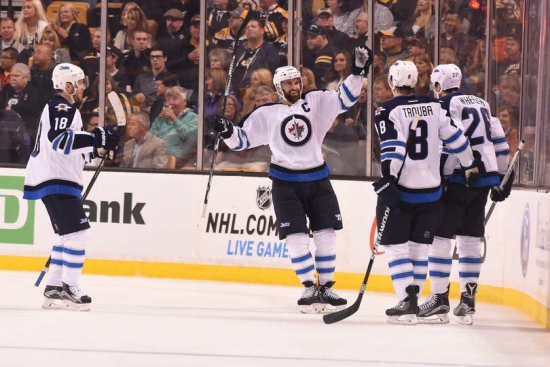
[411, 183]
[464, 205]
[294, 131]
[54, 175]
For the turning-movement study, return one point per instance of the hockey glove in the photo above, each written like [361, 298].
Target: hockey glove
[474, 172]
[497, 194]
[362, 59]
[386, 189]
[105, 142]
[223, 126]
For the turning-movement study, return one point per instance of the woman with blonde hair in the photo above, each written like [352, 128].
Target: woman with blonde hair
[421, 24]
[425, 68]
[73, 35]
[31, 23]
[135, 20]
[308, 80]
[60, 54]
[258, 78]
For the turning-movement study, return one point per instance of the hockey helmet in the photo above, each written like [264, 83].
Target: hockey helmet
[285, 73]
[403, 74]
[66, 73]
[448, 76]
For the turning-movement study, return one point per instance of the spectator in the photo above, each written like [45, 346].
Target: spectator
[383, 17]
[219, 58]
[135, 21]
[41, 72]
[29, 27]
[337, 39]
[177, 126]
[73, 35]
[510, 126]
[173, 42]
[308, 80]
[512, 62]
[215, 82]
[340, 69]
[361, 35]
[391, 42]
[143, 150]
[448, 56]
[264, 95]
[508, 92]
[255, 54]
[218, 15]
[416, 46]
[461, 43]
[60, 54]
[421, 24]
[281, 43]
[163, 81]
[122, 81]
[7, 32]
[322, 51]
[144, 87]
[271, 14]
[189, 76]
[476, 67]
[225, 38]
[8, 59]
[90, 61]
[137, 61]
[424, 66]
[378, 63]
[260, 77]
[343, 15]
[382, 91]
[20, 96]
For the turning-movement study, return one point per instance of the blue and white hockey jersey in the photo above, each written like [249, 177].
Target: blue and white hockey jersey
[420, 180]
[57, 161]
[295, 133]
[473, 116]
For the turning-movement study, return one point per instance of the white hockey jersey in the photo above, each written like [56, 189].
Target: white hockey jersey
[420, 179]
[57, 161]
[473, 116]
[295, 133]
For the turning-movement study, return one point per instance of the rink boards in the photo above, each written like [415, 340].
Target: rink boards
[152, 225]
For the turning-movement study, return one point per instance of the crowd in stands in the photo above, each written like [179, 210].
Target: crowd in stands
[153, 64]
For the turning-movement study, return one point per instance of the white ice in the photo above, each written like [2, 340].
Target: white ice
[163, 322]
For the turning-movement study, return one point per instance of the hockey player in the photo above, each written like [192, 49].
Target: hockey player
[294, 130]
[410, 188]
[464, 205]
[54, 174]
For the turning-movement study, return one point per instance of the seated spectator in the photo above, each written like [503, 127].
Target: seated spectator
[264, 95]
[8, 59]
[60, 54]
[173, 42]
[416, 47]
[508, 92]
[215, 82]
[21, 97]
[448, 56]
[144, 94]
[425, 68]
[281, 43]
[177, 126]
[41, 72]
[383, 17]
[421, 23]
[219, 58]
[379, 61]
[29, 27]
[163, 81]
[90, 62]
[189, 76]
[122, 81]
[510, 126]
[322, 52]
[7, 34]
[73, 35]
[218, 15]
[270, 15]
[137, 61]
[337, 39]
[143, 150]
[259, 77]
[225, 38]
[308, 80]
[340, 69]
[461, 43]
[135, 21]
[391, 42]
[381, 90]
[361, 36]
[512, 62]
[344, 15]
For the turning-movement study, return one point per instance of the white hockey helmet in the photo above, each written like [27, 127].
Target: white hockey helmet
[403, 74]
[66, 73]
[285, 73]
[448, 76]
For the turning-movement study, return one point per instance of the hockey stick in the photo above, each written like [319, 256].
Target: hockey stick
[331, 318]
[511, 166]
[121, 121]
[225, 96]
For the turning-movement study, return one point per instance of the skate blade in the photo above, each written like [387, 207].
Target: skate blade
[465, 320]
[328, 308]
[434, 319]
[403, 320]
[71, 306]
[309, 309]
[52, 304]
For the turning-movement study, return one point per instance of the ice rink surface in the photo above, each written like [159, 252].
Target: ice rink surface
[163, 322]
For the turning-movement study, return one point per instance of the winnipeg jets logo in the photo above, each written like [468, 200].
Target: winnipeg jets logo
[379, 110]
[63, 107]
[296, 130]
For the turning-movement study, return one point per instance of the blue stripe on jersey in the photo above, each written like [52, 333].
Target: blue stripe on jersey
[419, 262]
[420, 276]
[306, 270]
[503, 152]
[425, 197]
[469, 260]
[392, 143]
[73, 265]
[398, 262]
[468, 275]
[299, 176]
[499, 140]
[454, 137]
[402, 275]
[460, 149]
[438, 260]
[325, 258]
[74, 252]
[439, 274]
[69, 145]
[50, 190]
[301, 258]
[56, 141]
[392, 155]
[326, 271]
[57, 249]
[489, 180]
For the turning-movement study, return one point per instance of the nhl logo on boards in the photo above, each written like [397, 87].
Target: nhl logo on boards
[263, 197]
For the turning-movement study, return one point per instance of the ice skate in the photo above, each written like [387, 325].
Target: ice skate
[405, 311]
[435, 310]
[310, 298]
[329, 300]
[52, 298]
[465, 310]
[74, 299]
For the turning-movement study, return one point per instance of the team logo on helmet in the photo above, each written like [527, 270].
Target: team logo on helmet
[296, 130]
[263, 197]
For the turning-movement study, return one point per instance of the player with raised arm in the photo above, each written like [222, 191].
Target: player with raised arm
[54, 175]
[411, 183]
[464, 205]
[294, 131]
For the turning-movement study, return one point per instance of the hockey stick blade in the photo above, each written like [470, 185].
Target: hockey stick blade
[117, 107]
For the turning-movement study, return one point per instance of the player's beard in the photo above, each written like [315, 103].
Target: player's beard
[292, 96]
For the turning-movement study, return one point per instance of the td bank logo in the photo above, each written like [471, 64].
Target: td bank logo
[16, 213]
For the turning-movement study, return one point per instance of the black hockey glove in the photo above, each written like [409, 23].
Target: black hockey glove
[105, 142]
[386, 189]
[361, 60]
[223, 126]
[497, 194]
[474, 172]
